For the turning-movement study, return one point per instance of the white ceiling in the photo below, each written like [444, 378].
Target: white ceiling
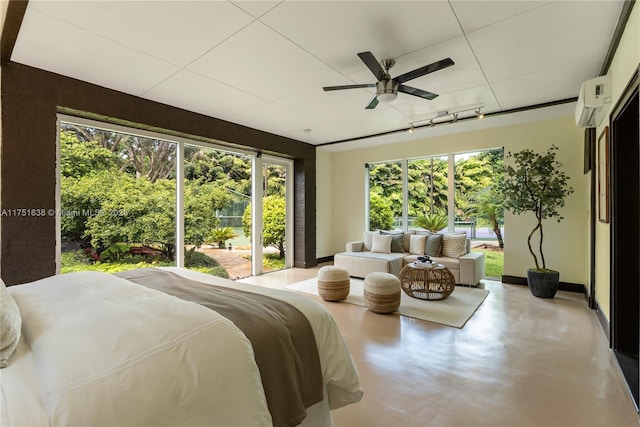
[262, 64]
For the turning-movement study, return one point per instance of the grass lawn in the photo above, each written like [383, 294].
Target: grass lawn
[270, 261]
[78, 261]
[493, 262]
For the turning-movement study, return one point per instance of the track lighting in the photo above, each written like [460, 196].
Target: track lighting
[442, 118]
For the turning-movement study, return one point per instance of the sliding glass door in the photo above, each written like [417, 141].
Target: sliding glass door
[130, 199]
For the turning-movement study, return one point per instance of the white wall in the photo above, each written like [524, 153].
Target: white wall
[624, 64]
[564, 242]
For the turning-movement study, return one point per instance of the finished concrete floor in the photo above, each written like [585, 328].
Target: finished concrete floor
[519, 361]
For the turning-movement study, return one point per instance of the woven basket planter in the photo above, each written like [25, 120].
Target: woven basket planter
[333, 283]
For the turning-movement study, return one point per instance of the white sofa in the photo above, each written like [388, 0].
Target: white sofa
[360, 260]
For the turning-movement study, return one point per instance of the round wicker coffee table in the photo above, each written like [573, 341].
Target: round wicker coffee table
[430, 283]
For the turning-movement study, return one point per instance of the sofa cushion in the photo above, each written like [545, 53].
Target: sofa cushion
[433, 245]
[417, 244]
[454, 245]
[450, 263]
[359, 264]
[396, 240]
[381, 243]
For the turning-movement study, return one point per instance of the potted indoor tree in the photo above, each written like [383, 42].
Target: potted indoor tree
[537, 184]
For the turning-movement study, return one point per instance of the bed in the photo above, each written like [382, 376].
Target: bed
[135, 349]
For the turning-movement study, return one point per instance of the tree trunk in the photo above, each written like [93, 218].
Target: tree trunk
[498, 233]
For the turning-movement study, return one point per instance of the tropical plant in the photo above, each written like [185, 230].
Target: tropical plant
[538, 185]
[431, 222]
[221, 235]
[488, 204]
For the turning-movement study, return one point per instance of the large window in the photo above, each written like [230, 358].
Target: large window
[455, 193]
[130, 199]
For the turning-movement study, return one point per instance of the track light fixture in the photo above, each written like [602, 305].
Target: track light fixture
[441, 116]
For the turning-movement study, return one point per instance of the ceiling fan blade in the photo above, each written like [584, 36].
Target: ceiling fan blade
[417, 92]
[419, 72]
[372, 104]
[373, 64]
[327, 88]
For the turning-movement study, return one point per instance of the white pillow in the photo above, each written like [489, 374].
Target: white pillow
[10, 325]
[367, 239]
[381, 243]
[417, 243]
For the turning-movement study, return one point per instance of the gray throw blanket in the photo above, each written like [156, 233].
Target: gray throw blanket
[283, 342]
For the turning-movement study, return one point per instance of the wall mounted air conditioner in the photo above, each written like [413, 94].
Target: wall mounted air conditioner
[593, 101]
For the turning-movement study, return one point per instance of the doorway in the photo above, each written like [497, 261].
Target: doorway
[625, 235]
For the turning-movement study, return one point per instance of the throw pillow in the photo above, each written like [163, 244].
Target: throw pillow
[454, 245]
[367, 239]
[10, 325]
[406, 240]
[417, 243]
[396, 240]
[381, 243]
[433, 247]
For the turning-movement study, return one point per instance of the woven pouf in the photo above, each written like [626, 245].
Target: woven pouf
[333, 283]
[382, 292]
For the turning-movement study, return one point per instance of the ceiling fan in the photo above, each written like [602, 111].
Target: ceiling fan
[387, 88]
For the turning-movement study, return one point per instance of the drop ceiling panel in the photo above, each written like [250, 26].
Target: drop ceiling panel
[471, 98]
[260, 61]
[176, 32]
[544, 37]
[382, 119]
[200, 94]
[477, 14]
[71, 51]
[256, 8]
[335, 31]
[274, 118]
[329, 105]
[561, 82]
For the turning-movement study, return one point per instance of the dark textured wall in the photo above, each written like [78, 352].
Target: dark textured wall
[31, 99]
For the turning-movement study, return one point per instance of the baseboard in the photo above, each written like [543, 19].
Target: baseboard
[604, 322]
[564, 286]
[325, 259]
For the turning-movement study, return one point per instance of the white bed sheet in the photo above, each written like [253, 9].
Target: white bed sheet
[52, 377]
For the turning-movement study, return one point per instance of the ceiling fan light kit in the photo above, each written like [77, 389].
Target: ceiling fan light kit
[387, 88]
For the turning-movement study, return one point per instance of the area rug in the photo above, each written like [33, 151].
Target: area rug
[454, 311]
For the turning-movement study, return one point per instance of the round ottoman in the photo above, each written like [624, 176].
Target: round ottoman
[333, 283]
[382, 292]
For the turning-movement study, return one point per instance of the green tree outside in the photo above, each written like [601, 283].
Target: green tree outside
[273, 225]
